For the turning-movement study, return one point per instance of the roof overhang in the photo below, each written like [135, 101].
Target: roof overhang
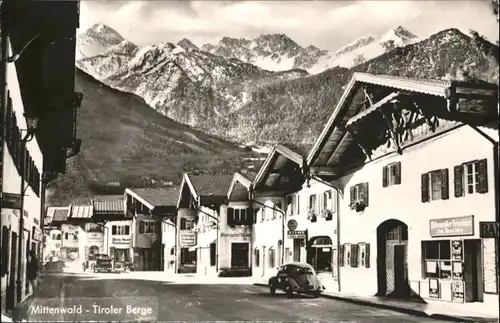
[239, 178]
[43, 37]
[186, 182]
[454, 96]
[268, 166]
[139, 198]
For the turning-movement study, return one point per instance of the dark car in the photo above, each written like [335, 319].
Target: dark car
[296, 277]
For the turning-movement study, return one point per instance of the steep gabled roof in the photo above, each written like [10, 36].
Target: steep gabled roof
[155, 197]
[245, 182]
[212, 186]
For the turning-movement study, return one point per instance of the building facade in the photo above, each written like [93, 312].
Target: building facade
[414, 197]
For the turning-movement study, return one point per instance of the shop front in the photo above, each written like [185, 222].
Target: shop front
[120, 244]
[457, 266]
[187, 246]
[94, 239]
[205, 249]
[235, 246]
[147, 246]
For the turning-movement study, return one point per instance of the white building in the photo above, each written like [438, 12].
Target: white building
[417, 162]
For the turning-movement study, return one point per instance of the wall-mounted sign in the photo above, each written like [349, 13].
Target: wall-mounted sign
[292, 225]
[457, 226]
[95, 237]
[37, 234]
[11, 201]
[187, 238]
[236, 234]
[121, 240]
[297, 234]
[433, 288]
[457, 272]
[489, 229]
[456, 250]
[457, 291]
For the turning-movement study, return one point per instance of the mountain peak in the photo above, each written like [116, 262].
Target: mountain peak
[403, 32]
[187, 44]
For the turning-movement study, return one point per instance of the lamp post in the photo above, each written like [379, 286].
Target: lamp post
[252, 200]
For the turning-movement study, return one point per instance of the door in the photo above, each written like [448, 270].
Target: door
[296, 250]
[472, 248]
[400, 283]
[239, 254]
[11, 289]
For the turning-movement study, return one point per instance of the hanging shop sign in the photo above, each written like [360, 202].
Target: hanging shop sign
[37, 234]
[433, 288]
[11, 201]
[187, 238]
[297, 234]
[456, 250]
[489, 229]
[457, 291]
[457, 226]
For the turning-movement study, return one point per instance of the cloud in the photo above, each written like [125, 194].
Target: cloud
[327, 24]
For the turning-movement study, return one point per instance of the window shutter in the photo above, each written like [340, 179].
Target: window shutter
[367, 255]
[113, 229]
[398, 173]
[458, 180]
[365, 193]
[385, 171]
[445, 191]
[141, 227]
[230, 216]
[354, 255]
[424, 187]
[352, 193]
[341, 255]
[482, 167]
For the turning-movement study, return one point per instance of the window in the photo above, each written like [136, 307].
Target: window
[271, 257]
[120, 230]
[347, 252]
[58, 236]
[239, 254]
[238, 217]
[290, 204]
[391, 174]
[327, 199]
[359, 193]
[186, 224]
[276, 207]
[75, 235]
[471, 177]
[5, 250]
[66, 236]
[312, 203]
[434, 185]
[437, 259]
[188, 257]
[257, 257]
[147, 227]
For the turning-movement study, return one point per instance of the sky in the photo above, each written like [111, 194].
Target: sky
[325, 24]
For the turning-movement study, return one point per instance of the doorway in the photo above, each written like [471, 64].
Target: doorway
[392, 263]
[11, 288]
[473, 271]
[239, 254]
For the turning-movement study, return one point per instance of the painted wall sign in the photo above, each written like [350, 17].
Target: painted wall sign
[457, 226]
[11, 201]
[236, 234]
[489, 229]
[297, 234]
[121, 240]
[292, 225]
[456, 250]
[95, 237]
[187, 238]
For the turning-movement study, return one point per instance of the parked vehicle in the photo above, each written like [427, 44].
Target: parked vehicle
[296, 277]
[98, 263]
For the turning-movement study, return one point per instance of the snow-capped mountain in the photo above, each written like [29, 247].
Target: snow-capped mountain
[96, 40]
[178, 80]
[277, 52]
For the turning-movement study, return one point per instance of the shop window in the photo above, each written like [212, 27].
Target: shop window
[471, 178]
[257, 257]
[213, 254]
[239, 254]
[272, 262]
[359, 195]
[391, 174]
[120, 230]
[147, 227]
[434, 185]
[437, 259]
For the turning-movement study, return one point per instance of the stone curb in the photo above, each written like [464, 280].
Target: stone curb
[419, 313]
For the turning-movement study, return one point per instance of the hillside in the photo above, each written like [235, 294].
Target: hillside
[296, 110]
[126, 143]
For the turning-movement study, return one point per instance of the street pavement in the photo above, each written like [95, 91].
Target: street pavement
[105, 298]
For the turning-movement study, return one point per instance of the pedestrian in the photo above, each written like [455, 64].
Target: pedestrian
[32, 270]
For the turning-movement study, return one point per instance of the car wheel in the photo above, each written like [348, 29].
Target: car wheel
[272, 290]
[289, 292]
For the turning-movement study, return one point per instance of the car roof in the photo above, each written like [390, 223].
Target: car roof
[299, 264]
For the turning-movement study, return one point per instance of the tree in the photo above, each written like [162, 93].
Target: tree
[360, 59]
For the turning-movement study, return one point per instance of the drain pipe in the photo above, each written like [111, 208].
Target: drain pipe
[339, 194]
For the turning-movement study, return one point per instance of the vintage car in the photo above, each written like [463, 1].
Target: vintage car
[296, 277]
[98, 263]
